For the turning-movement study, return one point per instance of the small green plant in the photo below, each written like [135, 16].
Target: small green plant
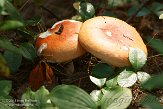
[72, 97]
[6, 100]
[126, 77]
[113, 92]
[13, 55]
[85, 10]
[39, 99]
[13, 21]
[154, 82]
[156, 9]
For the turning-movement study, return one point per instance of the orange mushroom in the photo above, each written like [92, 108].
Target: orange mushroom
[110, 39]
[60, 43]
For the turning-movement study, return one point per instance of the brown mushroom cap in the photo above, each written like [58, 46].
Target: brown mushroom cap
[60, 43]
[110, 39]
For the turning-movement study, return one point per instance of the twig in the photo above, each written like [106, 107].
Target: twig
[152, 38]
[137, 11]
[155, 56]
[24, 5]
[50, 12]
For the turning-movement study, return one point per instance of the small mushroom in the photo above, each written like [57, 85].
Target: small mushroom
[110, 39]
[60, 43]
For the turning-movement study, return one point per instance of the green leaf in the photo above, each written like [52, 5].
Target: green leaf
[156, 6]
[4, 70]
[10, 1]
[143, 76]
[2, 3]
[158, 13]
[98, 82]
[10, 24]
[13, 60]
[151, 102]
[4, 106]
[7, 45]
[86, 10]
[6, 102]
[30, 95]
[5, 87]
[111, 83]
[117, 98]
[13, 12]
[1, 11]
[71, 97]
[77, 18]
[96, 95]
[28, 51]
[102, 70]
[25, 49]
[157, 44]
[38, 99]
[142, 12]
[127, 78]
[161, 16]
[154, 81]
[137, 58]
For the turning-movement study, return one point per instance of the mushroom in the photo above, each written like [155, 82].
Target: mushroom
[110, 39]
[60, 43]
